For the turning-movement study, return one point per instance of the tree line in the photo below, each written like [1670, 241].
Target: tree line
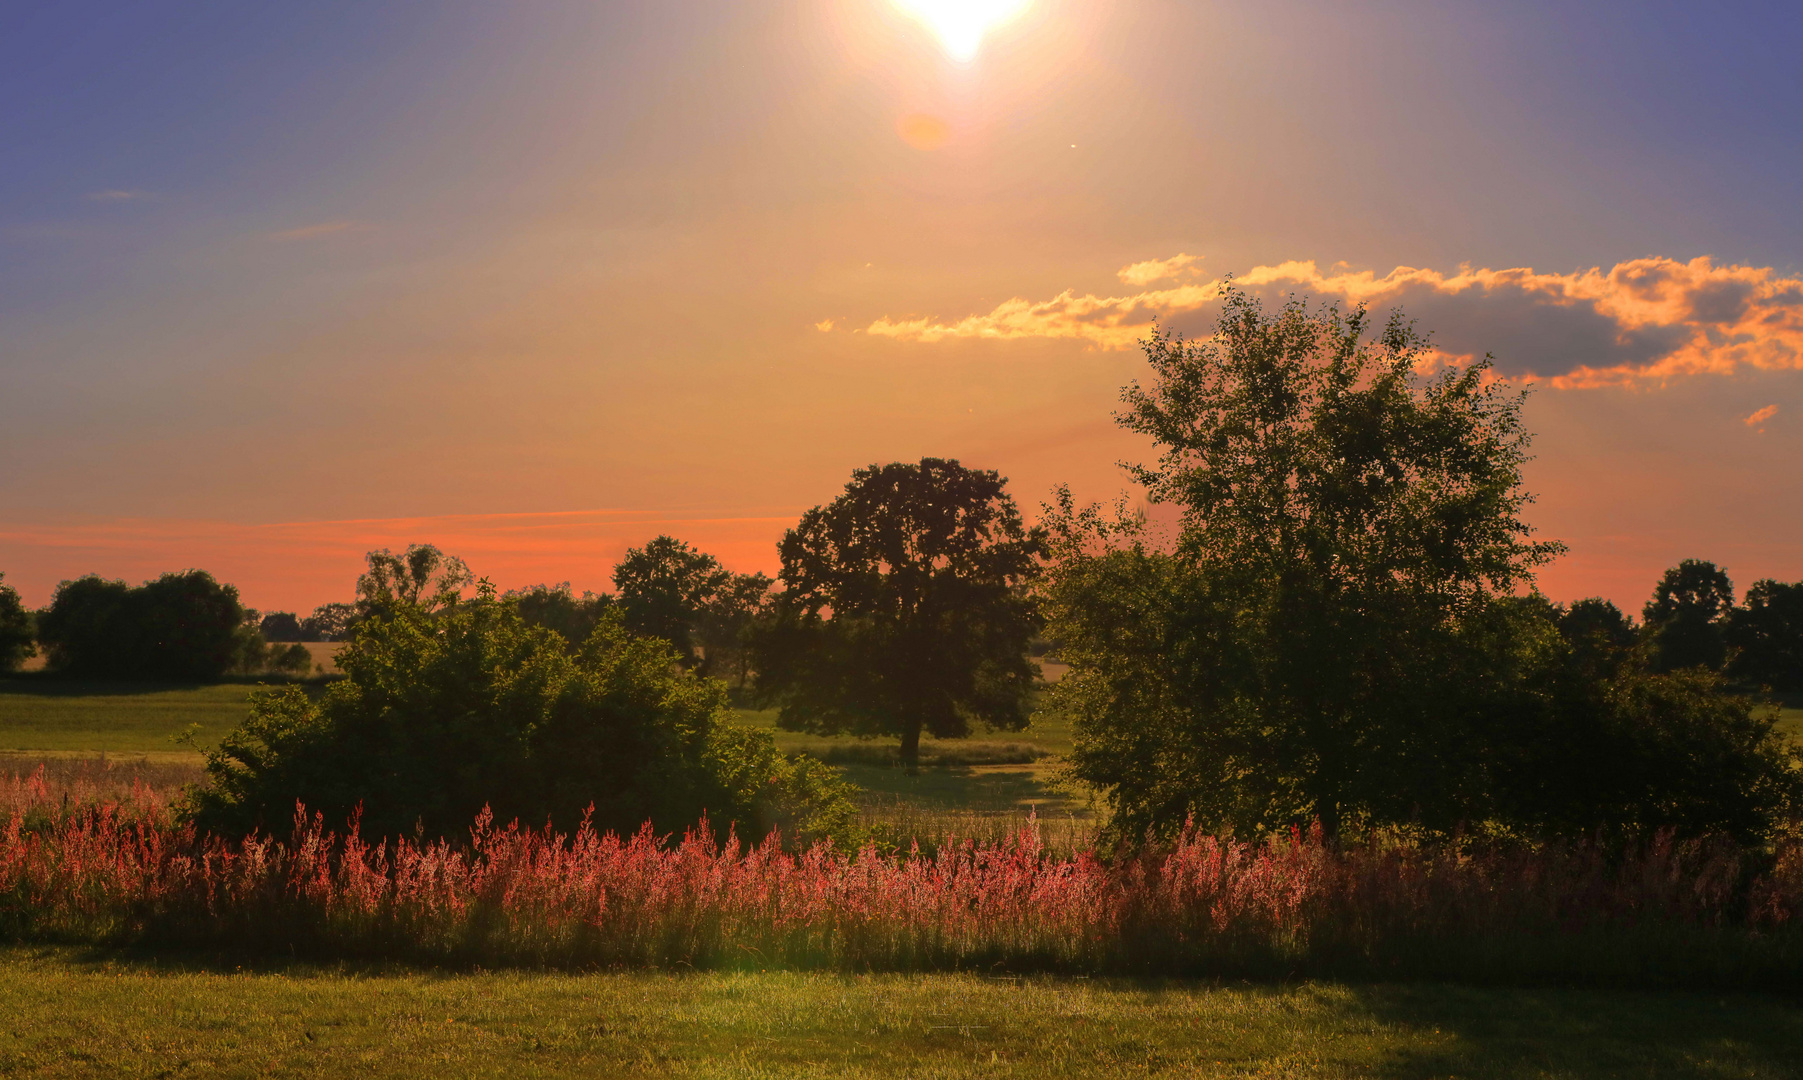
[1342, 628]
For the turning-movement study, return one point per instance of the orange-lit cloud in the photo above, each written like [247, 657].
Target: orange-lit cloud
[824, 325]
[1646, 319]
[308, 232]
[1761, 416]
[1145, 273]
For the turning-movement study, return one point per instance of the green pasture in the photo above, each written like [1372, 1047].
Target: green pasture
[78, 1014]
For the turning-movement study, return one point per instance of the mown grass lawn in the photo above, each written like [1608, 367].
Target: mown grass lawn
[68, 716]
[71, 1013]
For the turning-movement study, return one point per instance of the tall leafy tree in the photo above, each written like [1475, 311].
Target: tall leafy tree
[1767, 635]
[17, 633]
[1687, 616]
[725, 621]
[1307, 646]
[905, 608]
[664, 587]
[421, 577]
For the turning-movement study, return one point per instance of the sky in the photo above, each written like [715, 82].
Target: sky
[537, 281]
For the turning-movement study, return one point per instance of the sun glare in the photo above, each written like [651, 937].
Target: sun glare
[961, 24]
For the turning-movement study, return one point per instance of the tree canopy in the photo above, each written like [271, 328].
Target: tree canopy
[1303, 648]
[17, 630]
[905, 607]
[664, 587]
[179, 626]
[1687, 616]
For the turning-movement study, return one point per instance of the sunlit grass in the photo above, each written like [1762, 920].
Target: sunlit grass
[80, 1014]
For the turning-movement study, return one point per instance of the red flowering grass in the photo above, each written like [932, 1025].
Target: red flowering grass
[124, 872]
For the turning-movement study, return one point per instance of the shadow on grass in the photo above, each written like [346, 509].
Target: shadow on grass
[961, 787]
[52, 684]
[1550, 1031]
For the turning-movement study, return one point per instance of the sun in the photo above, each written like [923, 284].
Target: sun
[961, 24]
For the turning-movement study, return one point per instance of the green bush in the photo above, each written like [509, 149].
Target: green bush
[444, 712]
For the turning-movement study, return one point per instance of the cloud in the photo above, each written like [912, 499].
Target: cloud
[117, 195]
[308, 232]
[1646, 319]
[824, 325]
[1761, 416]
[1145, 273]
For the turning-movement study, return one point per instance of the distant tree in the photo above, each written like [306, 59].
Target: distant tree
[420, 577]
[281, 626]
[1687, 615]
[905, 609]
[180, 626]
[557, 607]
[289, 659]
[1314, 641]
[725, 621]
[663, 589]
[17, 632]
[446, 710]
[329, 622]
[1599, 635]
[1767, 634]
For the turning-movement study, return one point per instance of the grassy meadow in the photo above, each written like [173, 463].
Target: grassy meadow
[89, 1011]
[84, 1013]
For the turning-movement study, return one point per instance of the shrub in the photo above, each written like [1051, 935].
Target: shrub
[443, 713]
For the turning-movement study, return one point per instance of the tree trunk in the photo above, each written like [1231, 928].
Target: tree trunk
[910, 746]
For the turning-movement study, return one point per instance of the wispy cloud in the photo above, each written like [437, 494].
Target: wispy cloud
[327, 228]
[117, 195]
[1651, 318]
[824, 325]
[1145, 273]
[1761, 416]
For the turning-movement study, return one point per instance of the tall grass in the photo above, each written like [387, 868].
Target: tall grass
[125, 872]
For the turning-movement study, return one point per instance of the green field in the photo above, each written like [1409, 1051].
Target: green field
[84, 1014]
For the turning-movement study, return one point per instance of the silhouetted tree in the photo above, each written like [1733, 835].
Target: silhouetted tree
[557, 607]
[330, 622]
[420, 577]
[727, 618]
[905, 608]
[1768, 635]
[17, 631]
[1686, 617]
[180, 626]
[664, 587]
[282, 626]
[1599, 635]
[1310, 645]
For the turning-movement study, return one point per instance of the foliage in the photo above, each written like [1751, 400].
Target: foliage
[180, 626]
[444, 712]
[290, 659]
[557, 607]
[1381, 904]
[329, 622]
[281, 626]
[1599, 635]
[18, 634]
[664, 587]
[1686, 616]
[727, 619]
[1767, 636]
[422, 577]
[904, 608]
[1308, 647]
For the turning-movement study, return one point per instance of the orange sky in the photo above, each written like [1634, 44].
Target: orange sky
[538, 282]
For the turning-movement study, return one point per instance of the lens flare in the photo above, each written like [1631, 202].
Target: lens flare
[961, 24]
